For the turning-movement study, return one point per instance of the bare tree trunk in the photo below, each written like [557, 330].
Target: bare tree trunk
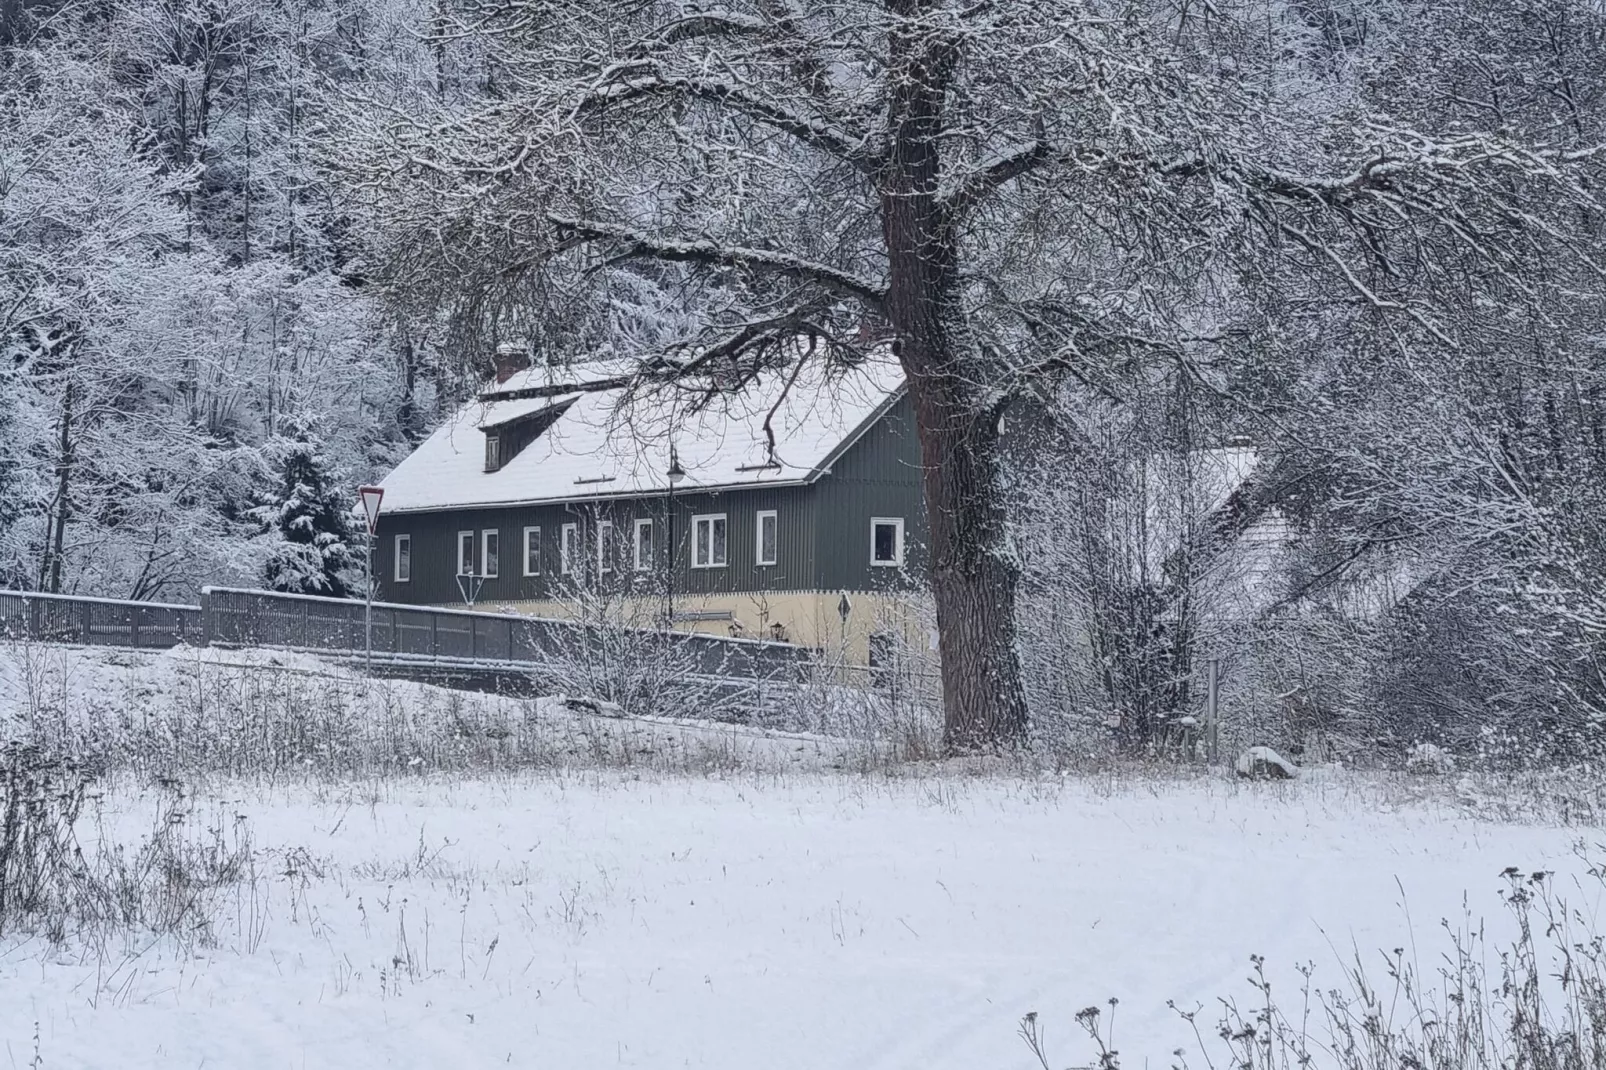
[407, 412]
[62, 510]
[972, 578]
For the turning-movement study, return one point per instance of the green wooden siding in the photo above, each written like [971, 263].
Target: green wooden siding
[434, 546]
[823, 534]
[879, 476]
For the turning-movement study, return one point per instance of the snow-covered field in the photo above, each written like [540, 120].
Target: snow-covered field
[764, 910]
[796, 921]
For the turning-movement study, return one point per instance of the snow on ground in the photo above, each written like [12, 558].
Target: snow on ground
[754, 920]
[444, 879]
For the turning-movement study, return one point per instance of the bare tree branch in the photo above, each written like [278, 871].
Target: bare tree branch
[826, 137]
[1006, 167]
[640, 244]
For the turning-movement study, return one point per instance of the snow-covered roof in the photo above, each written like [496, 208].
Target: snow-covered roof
[612, 443]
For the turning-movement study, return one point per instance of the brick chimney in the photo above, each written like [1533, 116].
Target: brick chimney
[511, 358]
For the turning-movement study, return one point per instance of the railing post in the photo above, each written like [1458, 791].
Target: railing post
[133, 626]
[473, 637]
[434, 635]
[88, 630]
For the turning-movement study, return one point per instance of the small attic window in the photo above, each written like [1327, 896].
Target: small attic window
[506, 440]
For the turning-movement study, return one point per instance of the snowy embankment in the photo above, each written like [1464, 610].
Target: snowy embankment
[773, 914]
[203, 711]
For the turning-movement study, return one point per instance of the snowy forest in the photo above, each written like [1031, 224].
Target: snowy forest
[1299, 303]
[182, 326]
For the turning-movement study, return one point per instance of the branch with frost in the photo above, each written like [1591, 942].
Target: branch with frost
[642, 81]
[638, 244]
[780, 35]
[1403, 176]
[754, 339]
[699, 25]
[998, 171]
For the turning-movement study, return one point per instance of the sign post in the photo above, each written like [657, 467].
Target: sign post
[469, 584]
[370, 497]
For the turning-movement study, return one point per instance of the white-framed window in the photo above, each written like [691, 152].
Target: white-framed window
[708, 541]
[605, 546]
[766, 533]
[568, 536]
[465, 553]
[532, 551]
[490, 545]
[404, 558]
[886, 540]
[641, 546]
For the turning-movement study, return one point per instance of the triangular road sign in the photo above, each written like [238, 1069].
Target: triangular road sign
[370, 498]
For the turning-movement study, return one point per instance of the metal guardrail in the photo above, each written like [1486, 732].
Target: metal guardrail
[98, 621]
[237, 617]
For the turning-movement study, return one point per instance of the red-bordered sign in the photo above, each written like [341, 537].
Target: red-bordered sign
[370, 498]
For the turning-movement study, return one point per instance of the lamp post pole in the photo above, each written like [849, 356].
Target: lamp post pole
[675, 474]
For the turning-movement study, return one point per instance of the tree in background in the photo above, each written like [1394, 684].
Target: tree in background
[174, 279]
[13, 477]
[306, 520]
[1016, 193]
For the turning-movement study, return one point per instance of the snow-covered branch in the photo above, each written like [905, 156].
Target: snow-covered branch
[633, 243]
[829, 138]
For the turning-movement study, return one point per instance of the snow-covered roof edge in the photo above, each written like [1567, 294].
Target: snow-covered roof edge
[848, 441]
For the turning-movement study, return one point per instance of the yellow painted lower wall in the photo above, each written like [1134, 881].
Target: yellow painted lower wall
[807, 618]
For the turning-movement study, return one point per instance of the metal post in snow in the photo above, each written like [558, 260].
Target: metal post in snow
[369, 497]
[1212, 726]
[368, 608]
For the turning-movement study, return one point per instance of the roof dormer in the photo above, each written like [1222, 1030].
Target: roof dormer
[508, 438]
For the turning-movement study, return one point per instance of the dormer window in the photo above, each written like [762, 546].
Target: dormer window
[506, 440]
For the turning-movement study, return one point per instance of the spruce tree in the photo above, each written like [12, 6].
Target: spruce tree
[307, 515]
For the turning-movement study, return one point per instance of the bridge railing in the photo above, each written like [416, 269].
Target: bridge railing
[267, 618]
[238, 617]
[98, 621]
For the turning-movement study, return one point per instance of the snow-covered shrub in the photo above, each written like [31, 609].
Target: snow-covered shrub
[171, 883]
[43, 879]
[1429, 760]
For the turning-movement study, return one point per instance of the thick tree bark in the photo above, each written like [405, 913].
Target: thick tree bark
[973, 577]
[973, 580]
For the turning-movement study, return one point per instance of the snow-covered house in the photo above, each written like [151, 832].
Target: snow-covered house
[765, 513]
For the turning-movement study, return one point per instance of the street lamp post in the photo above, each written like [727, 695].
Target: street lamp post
[675, 474]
